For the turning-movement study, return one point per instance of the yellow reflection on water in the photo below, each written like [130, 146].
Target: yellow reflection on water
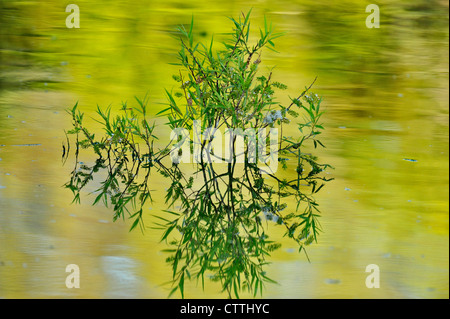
[386, 96]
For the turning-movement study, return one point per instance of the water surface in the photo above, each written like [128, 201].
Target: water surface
[386, 96]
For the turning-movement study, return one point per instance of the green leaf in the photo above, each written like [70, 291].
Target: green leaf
[97, 199]
[74, 108]
[172, 291]
[135, 223]
[163, 111]
[181, 285]
[190, 36]
[236, 289]
[168, 231]
[173, 103]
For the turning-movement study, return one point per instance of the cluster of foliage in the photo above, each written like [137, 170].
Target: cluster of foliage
[215, 223]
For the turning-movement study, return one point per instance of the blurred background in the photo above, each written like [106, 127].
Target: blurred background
[386, 99]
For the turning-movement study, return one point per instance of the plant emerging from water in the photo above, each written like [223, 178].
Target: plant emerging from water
[215, 223]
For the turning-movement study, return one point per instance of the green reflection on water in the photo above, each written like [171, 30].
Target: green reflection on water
[386, 95]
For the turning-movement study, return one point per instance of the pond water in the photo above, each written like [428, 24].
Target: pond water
[386, 99]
